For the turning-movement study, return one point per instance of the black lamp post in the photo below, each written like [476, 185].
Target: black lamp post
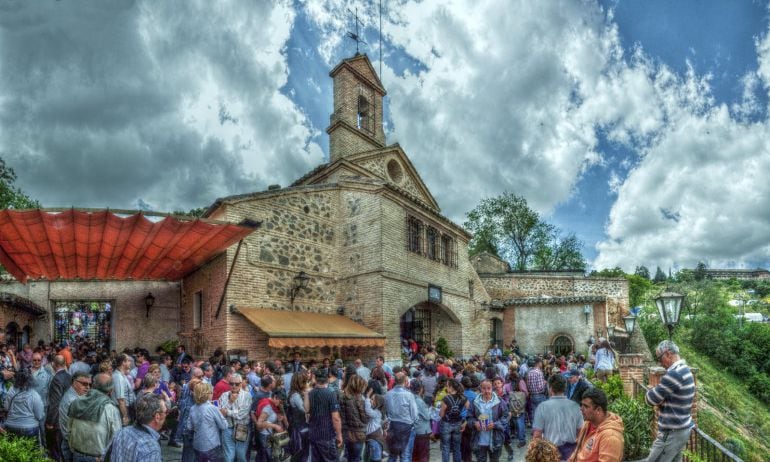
[298, 282]
[149, 301]
[669, 307]
[610, 331]
[630, 323]
[586, 311]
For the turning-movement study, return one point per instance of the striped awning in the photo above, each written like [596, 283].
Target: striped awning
[101, 245]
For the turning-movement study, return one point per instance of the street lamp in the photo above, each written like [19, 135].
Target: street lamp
[630, 323]
[610, 331]
[669, 307]
[149, 301]
[298, 282]
[586, 311]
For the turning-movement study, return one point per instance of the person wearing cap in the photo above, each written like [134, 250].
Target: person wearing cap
[577, 385]
[325, 434]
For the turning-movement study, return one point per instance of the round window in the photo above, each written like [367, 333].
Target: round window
[394, 171]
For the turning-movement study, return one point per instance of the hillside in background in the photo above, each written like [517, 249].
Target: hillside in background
[732, 357]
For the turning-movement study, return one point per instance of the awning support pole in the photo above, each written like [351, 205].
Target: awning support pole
[227, 281]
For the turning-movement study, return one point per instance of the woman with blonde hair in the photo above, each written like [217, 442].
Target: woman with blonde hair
[542, 450]
[354, 418]
[206, 423]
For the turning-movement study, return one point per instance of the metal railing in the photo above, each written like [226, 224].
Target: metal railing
[709, 449]
[700, 444]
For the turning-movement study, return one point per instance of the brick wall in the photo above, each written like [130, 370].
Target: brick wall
[130, 326]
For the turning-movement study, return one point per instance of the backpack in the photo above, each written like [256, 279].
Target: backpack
[454, 410]
[517, 402]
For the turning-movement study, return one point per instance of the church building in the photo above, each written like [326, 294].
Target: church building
[358, 241]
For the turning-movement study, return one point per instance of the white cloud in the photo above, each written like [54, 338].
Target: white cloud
[120, 106]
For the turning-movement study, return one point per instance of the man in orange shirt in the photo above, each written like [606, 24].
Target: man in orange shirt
[66, 353]
[601, 438]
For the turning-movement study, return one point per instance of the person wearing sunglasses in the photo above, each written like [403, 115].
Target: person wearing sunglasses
[81, 383]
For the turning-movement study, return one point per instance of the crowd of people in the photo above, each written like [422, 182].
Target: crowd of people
[84, 404]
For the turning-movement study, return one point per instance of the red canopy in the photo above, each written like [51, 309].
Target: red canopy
[76, 244]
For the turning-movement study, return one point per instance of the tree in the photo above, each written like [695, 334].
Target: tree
[700, 271]
[11, 197]
[192, 212]
[637, 289]
[660, 276]
[642, 271]
[507, 225]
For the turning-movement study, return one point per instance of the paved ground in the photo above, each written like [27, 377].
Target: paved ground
[174, 454]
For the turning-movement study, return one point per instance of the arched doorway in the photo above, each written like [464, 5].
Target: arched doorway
[416, 324]
[13, 335]
[26, 335]
[562, 345]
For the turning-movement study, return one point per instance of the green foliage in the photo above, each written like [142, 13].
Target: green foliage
[442, 348]
[642, 271]
[169, 346]
[14, 449]
[699, 273]
[637, 419]
[12, 197]
[508, 227]
[638, 287]
[613, 388]
[735, 446]
[191, 213]
[660, 276]
[616, 272]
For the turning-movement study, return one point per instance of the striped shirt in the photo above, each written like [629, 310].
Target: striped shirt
[674, 394]
[323, 403]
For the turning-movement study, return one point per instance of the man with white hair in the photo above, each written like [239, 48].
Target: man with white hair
[674, 395]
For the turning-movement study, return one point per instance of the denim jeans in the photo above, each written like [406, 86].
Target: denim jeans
[235, 451]
[188, 453]
[521, 429]
[353, 450]
[536, 400]
[79, 457]
[483, 451]
[323, 451]
[450, 441]
[374, 450]
[405, 456]
[212, 455]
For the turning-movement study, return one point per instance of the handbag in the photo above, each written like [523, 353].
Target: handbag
[240, 432]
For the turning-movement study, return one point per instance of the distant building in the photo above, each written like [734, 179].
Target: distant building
[746, 274]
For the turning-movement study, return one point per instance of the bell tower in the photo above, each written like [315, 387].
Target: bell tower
[356, 123]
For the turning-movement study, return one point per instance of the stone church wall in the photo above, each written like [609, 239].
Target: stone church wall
[506, 286]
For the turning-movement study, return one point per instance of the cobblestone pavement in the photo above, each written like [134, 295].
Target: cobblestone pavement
[175, 455]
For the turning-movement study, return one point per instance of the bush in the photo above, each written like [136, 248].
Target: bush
[169, 346]
[442, 348]
[735, 446]
[613, 388]
[637, 420]
[14, 449]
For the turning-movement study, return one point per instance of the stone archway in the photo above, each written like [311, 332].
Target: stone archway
[562, 345]
[427, 321]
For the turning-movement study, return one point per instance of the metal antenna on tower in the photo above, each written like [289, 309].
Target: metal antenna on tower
[355, 36]
[380, 40]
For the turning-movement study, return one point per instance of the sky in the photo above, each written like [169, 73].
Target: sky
[642, 127]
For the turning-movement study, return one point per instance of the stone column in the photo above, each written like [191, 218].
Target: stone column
[631, 368]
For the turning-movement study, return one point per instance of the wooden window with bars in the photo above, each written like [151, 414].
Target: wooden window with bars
[433, 244]
[414, 235]
[448, 251]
